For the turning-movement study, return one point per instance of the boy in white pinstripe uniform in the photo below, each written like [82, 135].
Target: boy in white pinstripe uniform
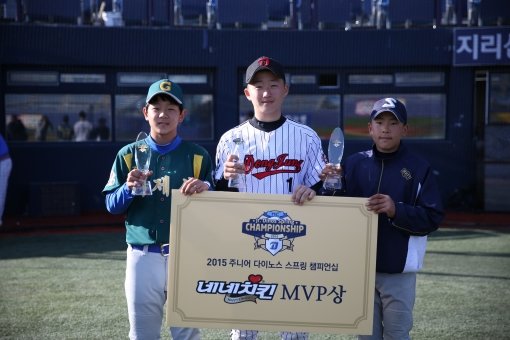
[282, 156]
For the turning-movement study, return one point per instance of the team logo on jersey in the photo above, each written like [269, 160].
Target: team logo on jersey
[162, 184]
[236, 292]
[406, 174]
[274, 231]
[273, 166]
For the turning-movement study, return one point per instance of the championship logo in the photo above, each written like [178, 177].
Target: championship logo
[274, 231]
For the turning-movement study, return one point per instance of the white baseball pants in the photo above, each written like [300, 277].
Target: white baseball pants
[145, 286]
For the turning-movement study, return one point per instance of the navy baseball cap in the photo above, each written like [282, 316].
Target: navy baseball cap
[167, 87]
[392, 105]
[265, 63]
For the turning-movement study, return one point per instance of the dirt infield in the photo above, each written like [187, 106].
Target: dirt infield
[481, 220]
[105, 222]
[93, 222]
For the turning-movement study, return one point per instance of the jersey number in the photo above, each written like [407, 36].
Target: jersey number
[289, 181]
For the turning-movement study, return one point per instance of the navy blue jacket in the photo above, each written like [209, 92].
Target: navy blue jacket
[408, 179]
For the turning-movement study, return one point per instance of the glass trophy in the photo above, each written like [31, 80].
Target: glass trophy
[142, 161]
[335, 154]
[239, 181]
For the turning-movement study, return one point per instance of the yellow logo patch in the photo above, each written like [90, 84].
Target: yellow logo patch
[166, 86]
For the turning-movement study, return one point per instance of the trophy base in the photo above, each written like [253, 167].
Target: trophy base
[332, 183]
[237, 183]
[144, 190]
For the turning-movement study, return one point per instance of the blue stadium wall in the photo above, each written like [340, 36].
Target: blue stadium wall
[227, 53]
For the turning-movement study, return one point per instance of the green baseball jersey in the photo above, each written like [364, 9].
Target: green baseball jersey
[148, 217]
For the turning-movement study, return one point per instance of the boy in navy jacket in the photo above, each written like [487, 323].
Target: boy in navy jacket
[401, 188]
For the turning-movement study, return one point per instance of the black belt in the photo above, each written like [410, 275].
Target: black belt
[162, 249]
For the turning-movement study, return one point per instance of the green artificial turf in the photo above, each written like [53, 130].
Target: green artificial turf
[71, 286]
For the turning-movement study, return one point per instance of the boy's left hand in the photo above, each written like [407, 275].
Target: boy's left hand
[380, 203]
[192, 186]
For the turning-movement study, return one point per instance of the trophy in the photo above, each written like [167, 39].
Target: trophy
[239, 181]
[142, 161]
[335, 153]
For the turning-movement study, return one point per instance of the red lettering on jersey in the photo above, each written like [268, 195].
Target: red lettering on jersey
[271, 166]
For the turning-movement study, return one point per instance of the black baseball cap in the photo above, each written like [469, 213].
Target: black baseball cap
[392, 105]
[265, 63]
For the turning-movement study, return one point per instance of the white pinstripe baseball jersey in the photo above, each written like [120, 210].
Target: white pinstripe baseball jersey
[276, 162]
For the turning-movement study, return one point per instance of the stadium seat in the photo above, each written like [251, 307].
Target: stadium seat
[412, 13]
[90, 10]
[242, 14]
[190, 12]
[363, 13]
[10, 10]
[337, 13]
[447, 12]
[279, 14]
[55, 11]
[108, 4]
[495, 12]
[304, 14]
[161, 13]
[135, 12]
[492, 13]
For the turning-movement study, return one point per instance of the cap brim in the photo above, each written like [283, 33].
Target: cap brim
[168, 94]
[262, 68]
[374, 116]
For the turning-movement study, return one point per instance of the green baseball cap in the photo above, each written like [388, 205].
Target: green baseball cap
[167, 87]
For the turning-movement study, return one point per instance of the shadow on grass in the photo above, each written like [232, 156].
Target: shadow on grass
[91, 245]
[463, 234]
[469, 253]
[494, 277]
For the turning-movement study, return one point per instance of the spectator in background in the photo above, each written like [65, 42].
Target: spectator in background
[42, 128]
[16, 129]
[5, 171]
[101, 131]
[82, 128]
[64, 129]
